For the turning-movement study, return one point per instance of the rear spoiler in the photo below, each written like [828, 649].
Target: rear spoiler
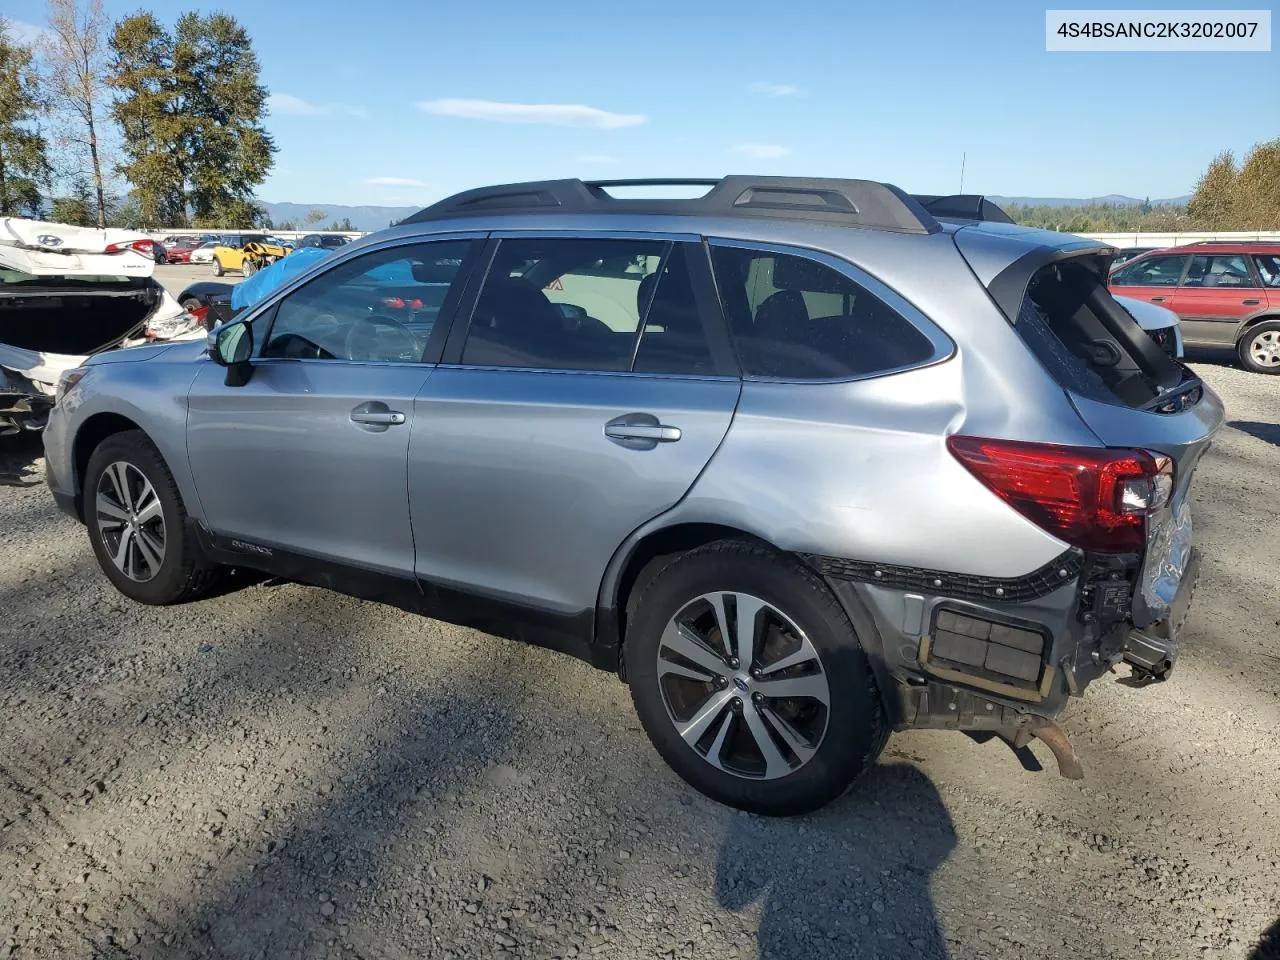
[962, 206]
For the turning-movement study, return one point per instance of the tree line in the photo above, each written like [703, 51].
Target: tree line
[133, 123]
[1228, 196]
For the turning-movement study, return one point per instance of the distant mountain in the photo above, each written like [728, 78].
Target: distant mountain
[362, 218]
[1112, 199]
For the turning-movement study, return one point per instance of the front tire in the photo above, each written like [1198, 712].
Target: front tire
[138, 526]
[1259, 348]
[249, 268]
[750, 681]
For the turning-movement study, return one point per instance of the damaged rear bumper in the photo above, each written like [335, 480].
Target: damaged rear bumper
[1005, 656]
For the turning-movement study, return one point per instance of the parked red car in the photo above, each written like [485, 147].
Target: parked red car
[180, 252]
[1227, 294]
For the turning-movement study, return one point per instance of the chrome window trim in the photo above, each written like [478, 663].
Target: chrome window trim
[944, 348]
[579, 371]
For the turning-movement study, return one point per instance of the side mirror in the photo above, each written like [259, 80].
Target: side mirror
[231, 346]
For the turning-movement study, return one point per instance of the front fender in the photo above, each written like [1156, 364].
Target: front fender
[153, 395]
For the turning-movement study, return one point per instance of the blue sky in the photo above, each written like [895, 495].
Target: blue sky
[403, 102]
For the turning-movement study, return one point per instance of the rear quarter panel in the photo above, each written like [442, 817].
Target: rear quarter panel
[859, 469]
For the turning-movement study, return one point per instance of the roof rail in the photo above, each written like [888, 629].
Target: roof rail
[963, 206]
[858, 203]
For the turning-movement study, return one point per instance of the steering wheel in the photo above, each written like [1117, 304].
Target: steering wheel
[363, 339]
[585, 323]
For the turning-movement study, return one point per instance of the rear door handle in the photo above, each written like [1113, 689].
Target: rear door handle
[640, 431]
[376, 415]
[1250, 303]
[1159, 299]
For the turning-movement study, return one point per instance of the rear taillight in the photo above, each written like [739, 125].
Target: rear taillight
[1094, 498]
[144, 247]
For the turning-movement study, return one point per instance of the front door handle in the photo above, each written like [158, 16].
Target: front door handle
[640, 431]
[1159, 299]
[660, 432]
[376, 416]
[1250, 303]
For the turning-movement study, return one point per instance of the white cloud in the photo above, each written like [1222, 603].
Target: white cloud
[394, 182]
[595, 158]
[775, 89]
[556, 114]
[288, 103]
[28, 34]
[760, 151]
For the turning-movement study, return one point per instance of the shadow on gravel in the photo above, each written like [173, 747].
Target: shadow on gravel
[18, 455]
[1270, 432]
[1268, 947]
[852, 880]
[1222, 356]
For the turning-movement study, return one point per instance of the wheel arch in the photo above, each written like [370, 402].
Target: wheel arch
[1250, 322]
[648, 545]
[89, 437]
[640, 554]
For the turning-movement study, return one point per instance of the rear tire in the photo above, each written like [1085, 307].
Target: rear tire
[217, 267]
[1259, 348]
[751, 742]
[138, 526]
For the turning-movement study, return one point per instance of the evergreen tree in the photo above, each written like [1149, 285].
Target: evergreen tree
[1216, 203]
[154, 132]
[232, 153]
[191, 109]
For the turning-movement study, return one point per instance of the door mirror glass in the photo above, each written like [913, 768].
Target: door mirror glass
[231, 344]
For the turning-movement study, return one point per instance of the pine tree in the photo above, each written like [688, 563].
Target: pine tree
[1215, 205]
[1259, 188]
[78, 207]
[190, 107]
[24, 164]
[232, 153]
[155, 134]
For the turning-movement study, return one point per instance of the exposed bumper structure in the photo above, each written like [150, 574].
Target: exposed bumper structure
[1005, 657]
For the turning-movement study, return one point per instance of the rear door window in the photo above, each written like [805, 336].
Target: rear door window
[1220, 270]
[604, 304]
[1268, 269]
[792, 317]
[1150, 272]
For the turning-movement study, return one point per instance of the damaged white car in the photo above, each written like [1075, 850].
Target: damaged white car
[67, 293]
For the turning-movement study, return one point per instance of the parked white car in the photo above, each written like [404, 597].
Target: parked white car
[1161, 324]
[67, 293]
[204, 252]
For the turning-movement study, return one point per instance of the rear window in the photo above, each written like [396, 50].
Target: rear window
[1089, 343]
[795, 318]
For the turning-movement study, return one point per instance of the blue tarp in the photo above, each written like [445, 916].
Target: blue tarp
[254, 288]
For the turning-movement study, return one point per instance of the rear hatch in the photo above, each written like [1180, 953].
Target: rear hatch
[1127, 390]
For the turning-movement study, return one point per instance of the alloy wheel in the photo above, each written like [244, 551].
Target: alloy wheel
[130, 521]
[743, 685]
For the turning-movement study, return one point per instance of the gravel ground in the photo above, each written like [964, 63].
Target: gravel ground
[281, 772]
